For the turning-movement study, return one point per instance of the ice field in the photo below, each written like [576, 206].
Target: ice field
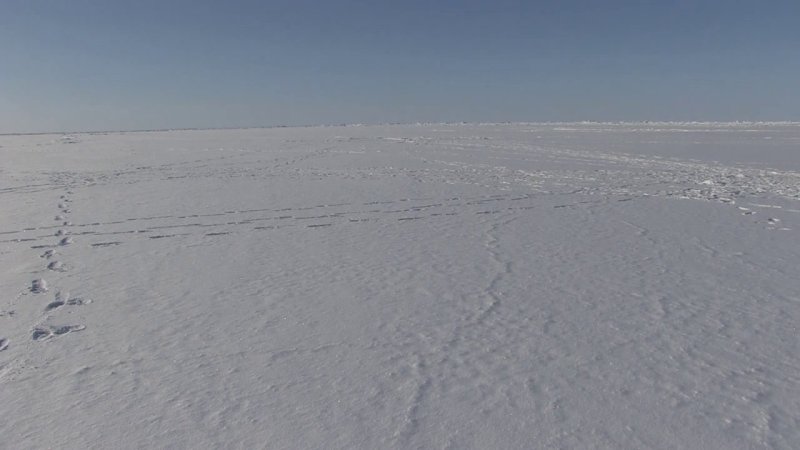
[446, 286]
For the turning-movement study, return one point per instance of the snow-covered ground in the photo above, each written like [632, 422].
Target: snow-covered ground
[430, 286]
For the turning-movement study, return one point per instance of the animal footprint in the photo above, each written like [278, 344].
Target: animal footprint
[63, 298]
[66, 241]
[48, 254]
[77, 301]
[3, 344]
[48, 331]
[57, 266]
[54, 305]
[38, 286]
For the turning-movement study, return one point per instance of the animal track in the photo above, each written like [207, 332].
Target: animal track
[63, 298]
[78, 301]
[57, 266]
[39, 286]
[46, 332]
[53, 305]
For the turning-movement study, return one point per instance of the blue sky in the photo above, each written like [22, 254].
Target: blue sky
[110, 65]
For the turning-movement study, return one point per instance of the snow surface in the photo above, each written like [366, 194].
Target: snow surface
[431, 286]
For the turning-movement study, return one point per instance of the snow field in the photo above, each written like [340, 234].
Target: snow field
[409, 286]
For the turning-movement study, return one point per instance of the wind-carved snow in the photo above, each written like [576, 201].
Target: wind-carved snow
[431, 286]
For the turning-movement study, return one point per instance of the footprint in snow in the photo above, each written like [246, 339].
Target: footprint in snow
[53, 305]
[48, 254]
[38, 286]
[63, 298]
[3, 344]
[66, 241]
[57, 266]
[46, 332]
[78, 301]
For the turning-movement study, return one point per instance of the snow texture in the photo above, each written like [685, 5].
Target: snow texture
[413, 286]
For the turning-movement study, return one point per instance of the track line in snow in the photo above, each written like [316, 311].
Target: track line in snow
[41, 333]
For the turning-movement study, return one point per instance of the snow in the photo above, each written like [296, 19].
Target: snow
[584, 285]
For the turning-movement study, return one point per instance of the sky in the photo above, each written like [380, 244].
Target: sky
[81, 65]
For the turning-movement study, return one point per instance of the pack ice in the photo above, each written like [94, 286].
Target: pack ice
[516, 286]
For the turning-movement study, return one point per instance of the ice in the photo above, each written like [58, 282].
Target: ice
[580, 285]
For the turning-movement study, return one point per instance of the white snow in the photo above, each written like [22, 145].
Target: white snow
[584, 285]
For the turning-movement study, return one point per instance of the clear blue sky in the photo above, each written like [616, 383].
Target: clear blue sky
[112, 64]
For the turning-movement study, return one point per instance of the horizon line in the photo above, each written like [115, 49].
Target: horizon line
[362, 124]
